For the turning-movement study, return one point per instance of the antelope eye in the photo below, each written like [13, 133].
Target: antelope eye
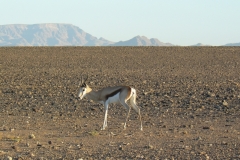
[83, 89]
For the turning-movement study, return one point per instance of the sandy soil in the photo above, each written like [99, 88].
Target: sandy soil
[189, 99]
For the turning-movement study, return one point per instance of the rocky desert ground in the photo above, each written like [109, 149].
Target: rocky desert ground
[189, 99]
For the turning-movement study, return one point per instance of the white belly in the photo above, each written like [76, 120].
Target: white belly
[113, 99]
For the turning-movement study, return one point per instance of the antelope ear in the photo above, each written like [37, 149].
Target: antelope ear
[83, 85]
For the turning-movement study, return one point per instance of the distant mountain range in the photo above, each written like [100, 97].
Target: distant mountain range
[47, 35]
[55, 34]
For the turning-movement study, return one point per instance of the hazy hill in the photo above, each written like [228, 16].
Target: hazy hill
[47, 35]
[200, 44]
[141, 41]
[232, 44]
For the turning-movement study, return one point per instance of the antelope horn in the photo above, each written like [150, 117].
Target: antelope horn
[80, 83]
[86, 79]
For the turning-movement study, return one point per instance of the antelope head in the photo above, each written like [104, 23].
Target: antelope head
[83, 88]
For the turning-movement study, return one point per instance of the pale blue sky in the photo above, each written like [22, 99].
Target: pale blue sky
[181, 22]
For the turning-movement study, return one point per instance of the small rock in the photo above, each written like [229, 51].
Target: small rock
[192, 152]
[39, 144]
[187, 147]
[149, 146]
[32, 154]
[202, 152]
[224, 143]
[212, 95]
[32, 136]
[79, 147]
[120, 147]
[225, 103]
[85, 116]
[183, 126]
[8, 158]
[126, 144]
[113, 134]
[207, 157]
[199, 138]
[140, 156]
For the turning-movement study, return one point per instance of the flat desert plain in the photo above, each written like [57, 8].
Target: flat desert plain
[189, 99]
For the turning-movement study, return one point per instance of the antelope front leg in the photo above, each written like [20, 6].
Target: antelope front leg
[105, 117]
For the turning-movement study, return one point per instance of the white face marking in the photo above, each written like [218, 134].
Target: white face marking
[82, 92]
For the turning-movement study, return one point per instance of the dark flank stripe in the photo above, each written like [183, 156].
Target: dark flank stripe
[113, 93]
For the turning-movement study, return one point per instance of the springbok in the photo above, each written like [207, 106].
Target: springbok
[106, 96]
